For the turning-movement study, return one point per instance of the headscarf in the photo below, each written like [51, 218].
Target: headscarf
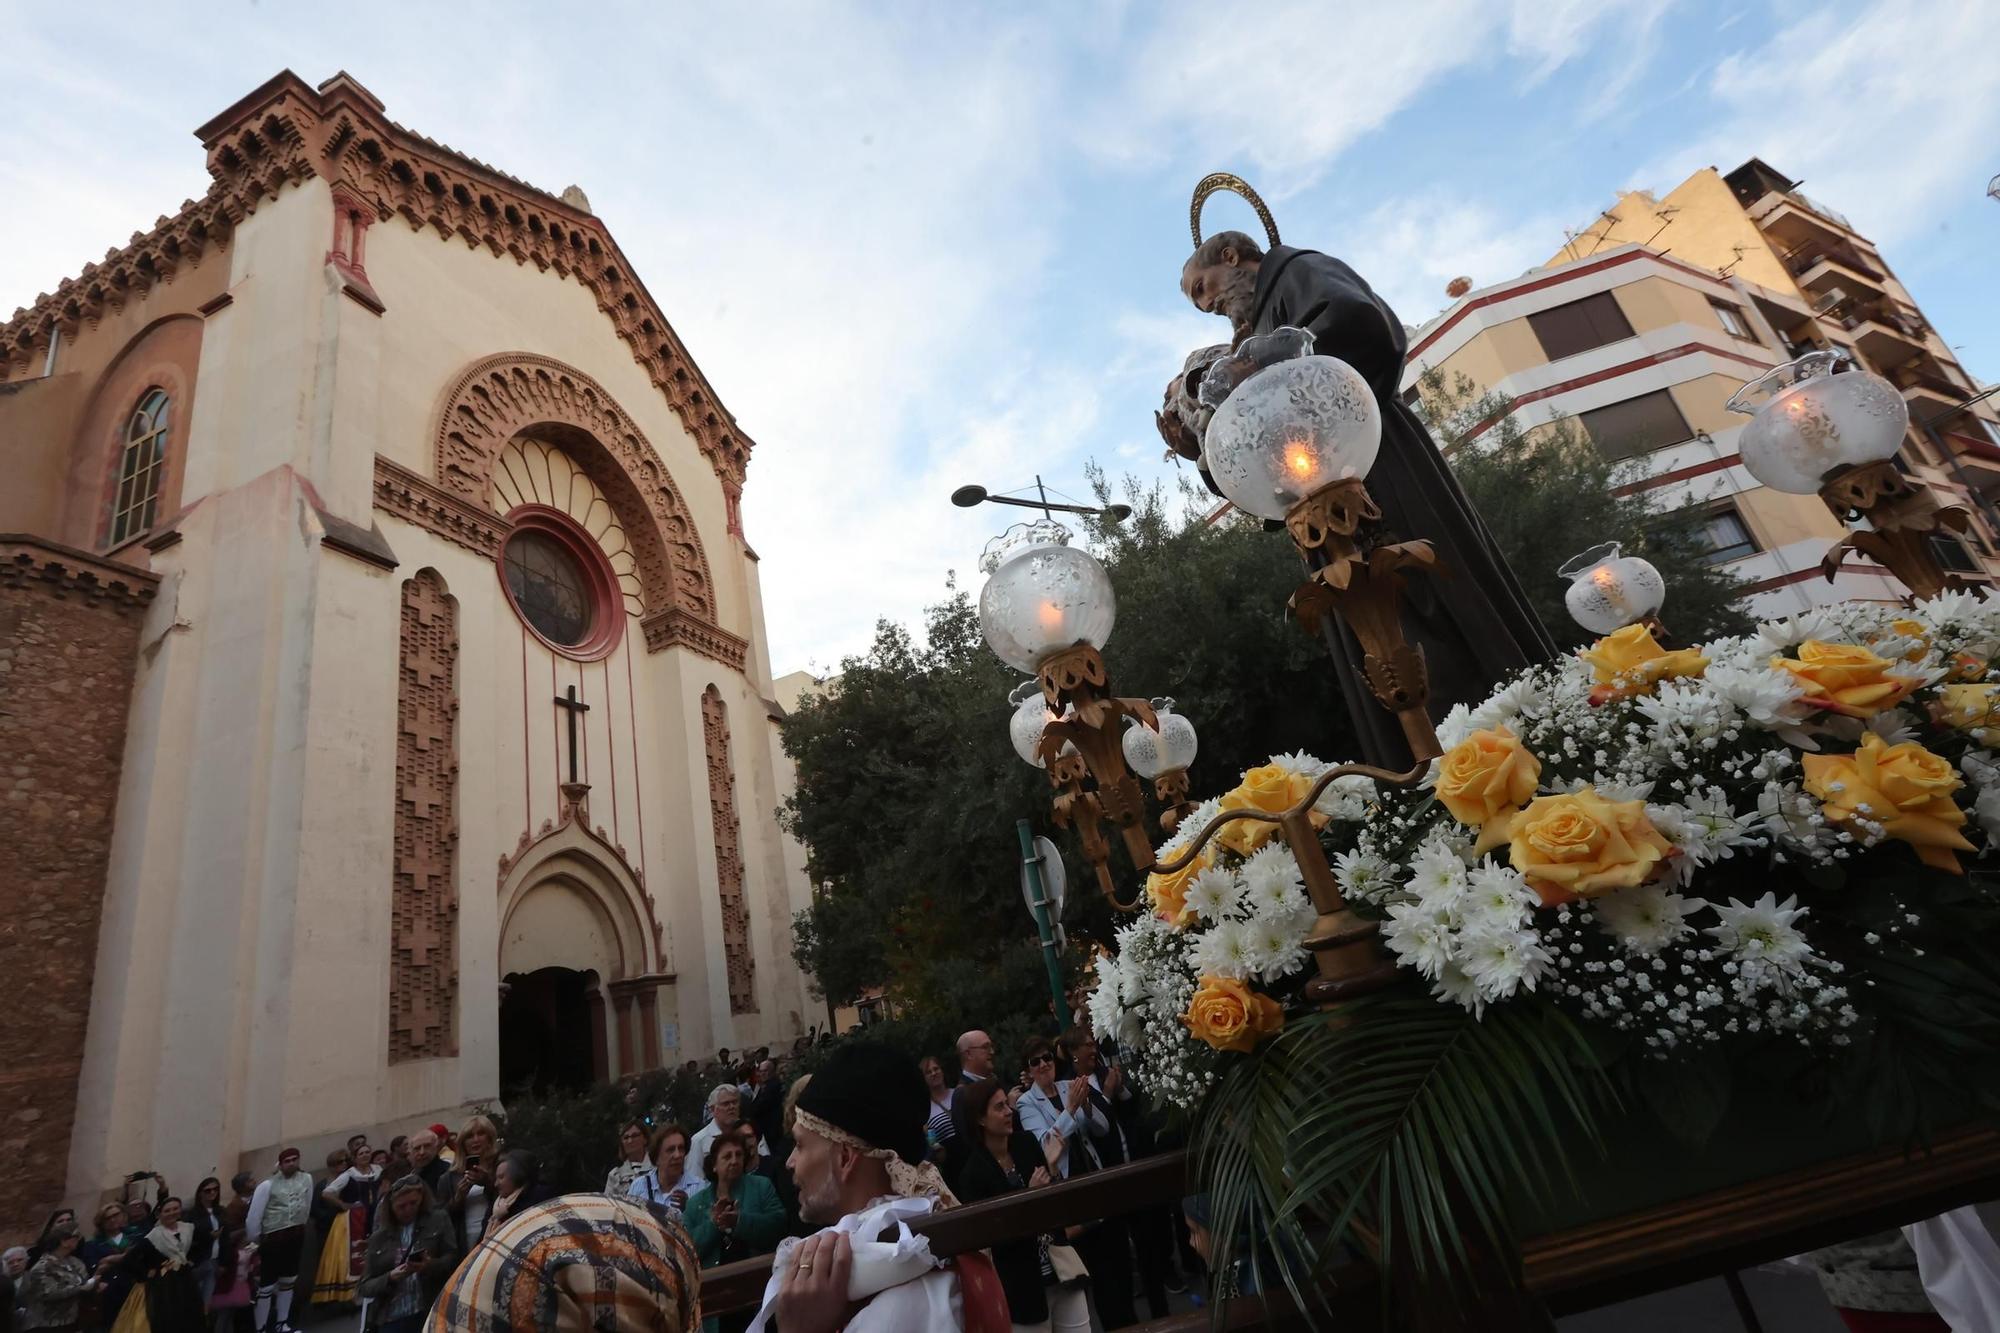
[582, 1263]
[874, 1100]
[171, 1242]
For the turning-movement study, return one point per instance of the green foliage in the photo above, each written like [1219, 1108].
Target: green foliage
[1550, 495]
[575, 1134]
[1396, 1118]
[908, 789]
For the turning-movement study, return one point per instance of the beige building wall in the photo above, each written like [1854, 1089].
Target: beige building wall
[242, 971]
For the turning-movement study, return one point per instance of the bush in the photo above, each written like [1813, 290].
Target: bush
[575, 1134]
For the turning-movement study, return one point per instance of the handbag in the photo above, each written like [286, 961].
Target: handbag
[1068, 1265]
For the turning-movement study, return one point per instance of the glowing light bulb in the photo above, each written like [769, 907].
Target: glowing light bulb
[1050, 615]
[1300, 460]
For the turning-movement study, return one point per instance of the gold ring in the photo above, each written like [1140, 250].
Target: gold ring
[805, 1268]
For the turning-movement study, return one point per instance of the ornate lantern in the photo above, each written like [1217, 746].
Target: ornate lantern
[1814, 430]
[1609, 590]
[1162, 752]
[1042, 595]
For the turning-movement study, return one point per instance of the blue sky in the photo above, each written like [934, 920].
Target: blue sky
[921, 245]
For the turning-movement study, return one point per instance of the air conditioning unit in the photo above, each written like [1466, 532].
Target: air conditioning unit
[1832, 297]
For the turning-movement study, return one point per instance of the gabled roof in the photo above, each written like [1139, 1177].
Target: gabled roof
[285, 132]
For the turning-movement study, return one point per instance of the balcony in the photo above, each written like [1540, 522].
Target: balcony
[1926, 385]
[1794, 220]
[1887, 333]
[1821, 268]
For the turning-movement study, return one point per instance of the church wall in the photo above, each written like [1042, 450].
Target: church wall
[69, 635]
[450, 304]
[37, 423]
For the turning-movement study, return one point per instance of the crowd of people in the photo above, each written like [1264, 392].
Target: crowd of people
[383, 1228]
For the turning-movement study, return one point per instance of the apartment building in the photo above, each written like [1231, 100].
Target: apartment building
[1645, 324]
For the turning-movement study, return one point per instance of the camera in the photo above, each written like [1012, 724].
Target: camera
[138, 1176]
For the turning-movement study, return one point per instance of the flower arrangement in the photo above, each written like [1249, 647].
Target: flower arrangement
[1708, 849]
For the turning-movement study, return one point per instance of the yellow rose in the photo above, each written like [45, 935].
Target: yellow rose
[1845, 678]
[1229, 1016]
[1912, 629]
[1581, 845]
[1271, 789]
[1168, 893]
[1484, 781]
[1968, 706]
[1904, 788]
[1630, 661]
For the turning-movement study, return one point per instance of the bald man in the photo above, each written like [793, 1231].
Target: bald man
[975, 1056]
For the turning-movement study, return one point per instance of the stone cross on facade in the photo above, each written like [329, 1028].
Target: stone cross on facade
[569, 704]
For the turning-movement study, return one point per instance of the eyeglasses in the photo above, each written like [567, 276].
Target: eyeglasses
[1040, 1060]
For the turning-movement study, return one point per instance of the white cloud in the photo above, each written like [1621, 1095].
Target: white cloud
[1889, 118]
[1410, 247]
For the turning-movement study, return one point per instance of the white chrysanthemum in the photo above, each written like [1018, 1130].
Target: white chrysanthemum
[1437, 874]
[1788, 813]
[1420, 936]
[1497, 896]
[1276, 947]
[1299, 764]
[1610, 786]
[1645, 919]
[1986, 809]
[1364, 875]
[1702, 826]
[1455, 726]
[1271, 877]
[1980, 770]
[1501, 961]
[1769, 698]
[1214, 893]
[1184, 832]
[1347, 799]
[1894, 726]
[1224, 951]
[1685, 713]
[1454, 983]
[1781, 636]
[1762, 933]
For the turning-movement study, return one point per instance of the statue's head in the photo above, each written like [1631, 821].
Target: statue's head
[1220, 277]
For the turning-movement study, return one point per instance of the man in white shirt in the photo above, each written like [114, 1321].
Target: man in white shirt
[277, 1222]
[862, 1176]
[725, 1111]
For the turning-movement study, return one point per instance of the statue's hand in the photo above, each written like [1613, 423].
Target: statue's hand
[1180, 439]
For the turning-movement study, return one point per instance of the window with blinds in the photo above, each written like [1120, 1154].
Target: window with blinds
[1579, 326]
[1637, 425]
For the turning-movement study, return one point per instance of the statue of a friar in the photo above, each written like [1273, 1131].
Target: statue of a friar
[1475, 624]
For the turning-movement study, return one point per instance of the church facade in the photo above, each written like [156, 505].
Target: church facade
[382, 669]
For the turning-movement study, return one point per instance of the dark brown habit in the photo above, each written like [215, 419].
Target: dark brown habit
[1475, 625]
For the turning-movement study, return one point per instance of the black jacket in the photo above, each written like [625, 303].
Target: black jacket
[1018, 1262]
[432, 1234]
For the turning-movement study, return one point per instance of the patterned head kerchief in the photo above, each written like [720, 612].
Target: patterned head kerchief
[583, 1263]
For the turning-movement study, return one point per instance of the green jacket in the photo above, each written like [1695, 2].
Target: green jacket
[760, 1221]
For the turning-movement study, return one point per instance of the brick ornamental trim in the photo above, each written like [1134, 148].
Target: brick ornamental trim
[423, 904]
[285, 133]
[738, 965]
[64, 571]
[674, 628]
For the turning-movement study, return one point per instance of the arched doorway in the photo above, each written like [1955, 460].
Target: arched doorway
[580, 997]
[551, 1030]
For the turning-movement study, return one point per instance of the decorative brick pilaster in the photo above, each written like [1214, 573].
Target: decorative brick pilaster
[423, 908]
[741, 968]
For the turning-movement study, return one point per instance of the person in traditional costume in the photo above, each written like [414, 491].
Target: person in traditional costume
[277, 1223]
[1475, 625]
[410, 1255]
[863, 1174]
[166, 1299]
[345, 1247]
[582, 1263]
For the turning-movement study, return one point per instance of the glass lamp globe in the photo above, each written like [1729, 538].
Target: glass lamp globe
[1031, 715]
[1807, 422]
[1042, 595]
[1151, 752]
[1291, 427]
[1609, 590]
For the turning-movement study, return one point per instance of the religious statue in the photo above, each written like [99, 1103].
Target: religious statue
[1474, 625]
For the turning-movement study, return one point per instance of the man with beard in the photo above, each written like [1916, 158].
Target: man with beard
[1473, 623]
[862, 1174]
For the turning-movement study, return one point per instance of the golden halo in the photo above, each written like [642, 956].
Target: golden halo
[1223, 180]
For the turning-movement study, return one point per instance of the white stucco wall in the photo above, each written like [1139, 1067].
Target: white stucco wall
[241, 994]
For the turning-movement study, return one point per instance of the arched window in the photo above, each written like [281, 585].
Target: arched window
[141, 467]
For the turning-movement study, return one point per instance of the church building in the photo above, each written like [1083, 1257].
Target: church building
[385, 706]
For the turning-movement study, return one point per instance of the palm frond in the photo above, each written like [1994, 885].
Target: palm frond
[1397, 1118]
